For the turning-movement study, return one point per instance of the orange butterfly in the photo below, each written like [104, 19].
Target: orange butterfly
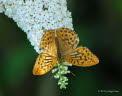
[60, 45]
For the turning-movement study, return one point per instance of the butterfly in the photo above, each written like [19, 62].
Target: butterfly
[60, 46]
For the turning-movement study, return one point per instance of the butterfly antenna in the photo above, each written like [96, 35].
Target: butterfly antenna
[72, 73]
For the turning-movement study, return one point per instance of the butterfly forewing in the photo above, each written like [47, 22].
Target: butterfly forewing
[81, 56]
[67, 39]
[48, 43]
[44, 63]
[62, 45]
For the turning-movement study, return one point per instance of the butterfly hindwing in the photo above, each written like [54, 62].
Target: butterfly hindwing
[81, 56]
[44, 63]
[48, 43]
[67, 39]
[62, 45]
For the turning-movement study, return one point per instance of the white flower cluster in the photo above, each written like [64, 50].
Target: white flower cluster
[60, 71]
[36, 16]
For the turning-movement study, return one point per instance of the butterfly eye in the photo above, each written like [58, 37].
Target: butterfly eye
[76, 42]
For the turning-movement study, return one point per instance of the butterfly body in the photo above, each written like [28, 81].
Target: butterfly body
[59, 46]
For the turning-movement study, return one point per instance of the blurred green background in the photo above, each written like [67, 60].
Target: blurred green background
[97, 22]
